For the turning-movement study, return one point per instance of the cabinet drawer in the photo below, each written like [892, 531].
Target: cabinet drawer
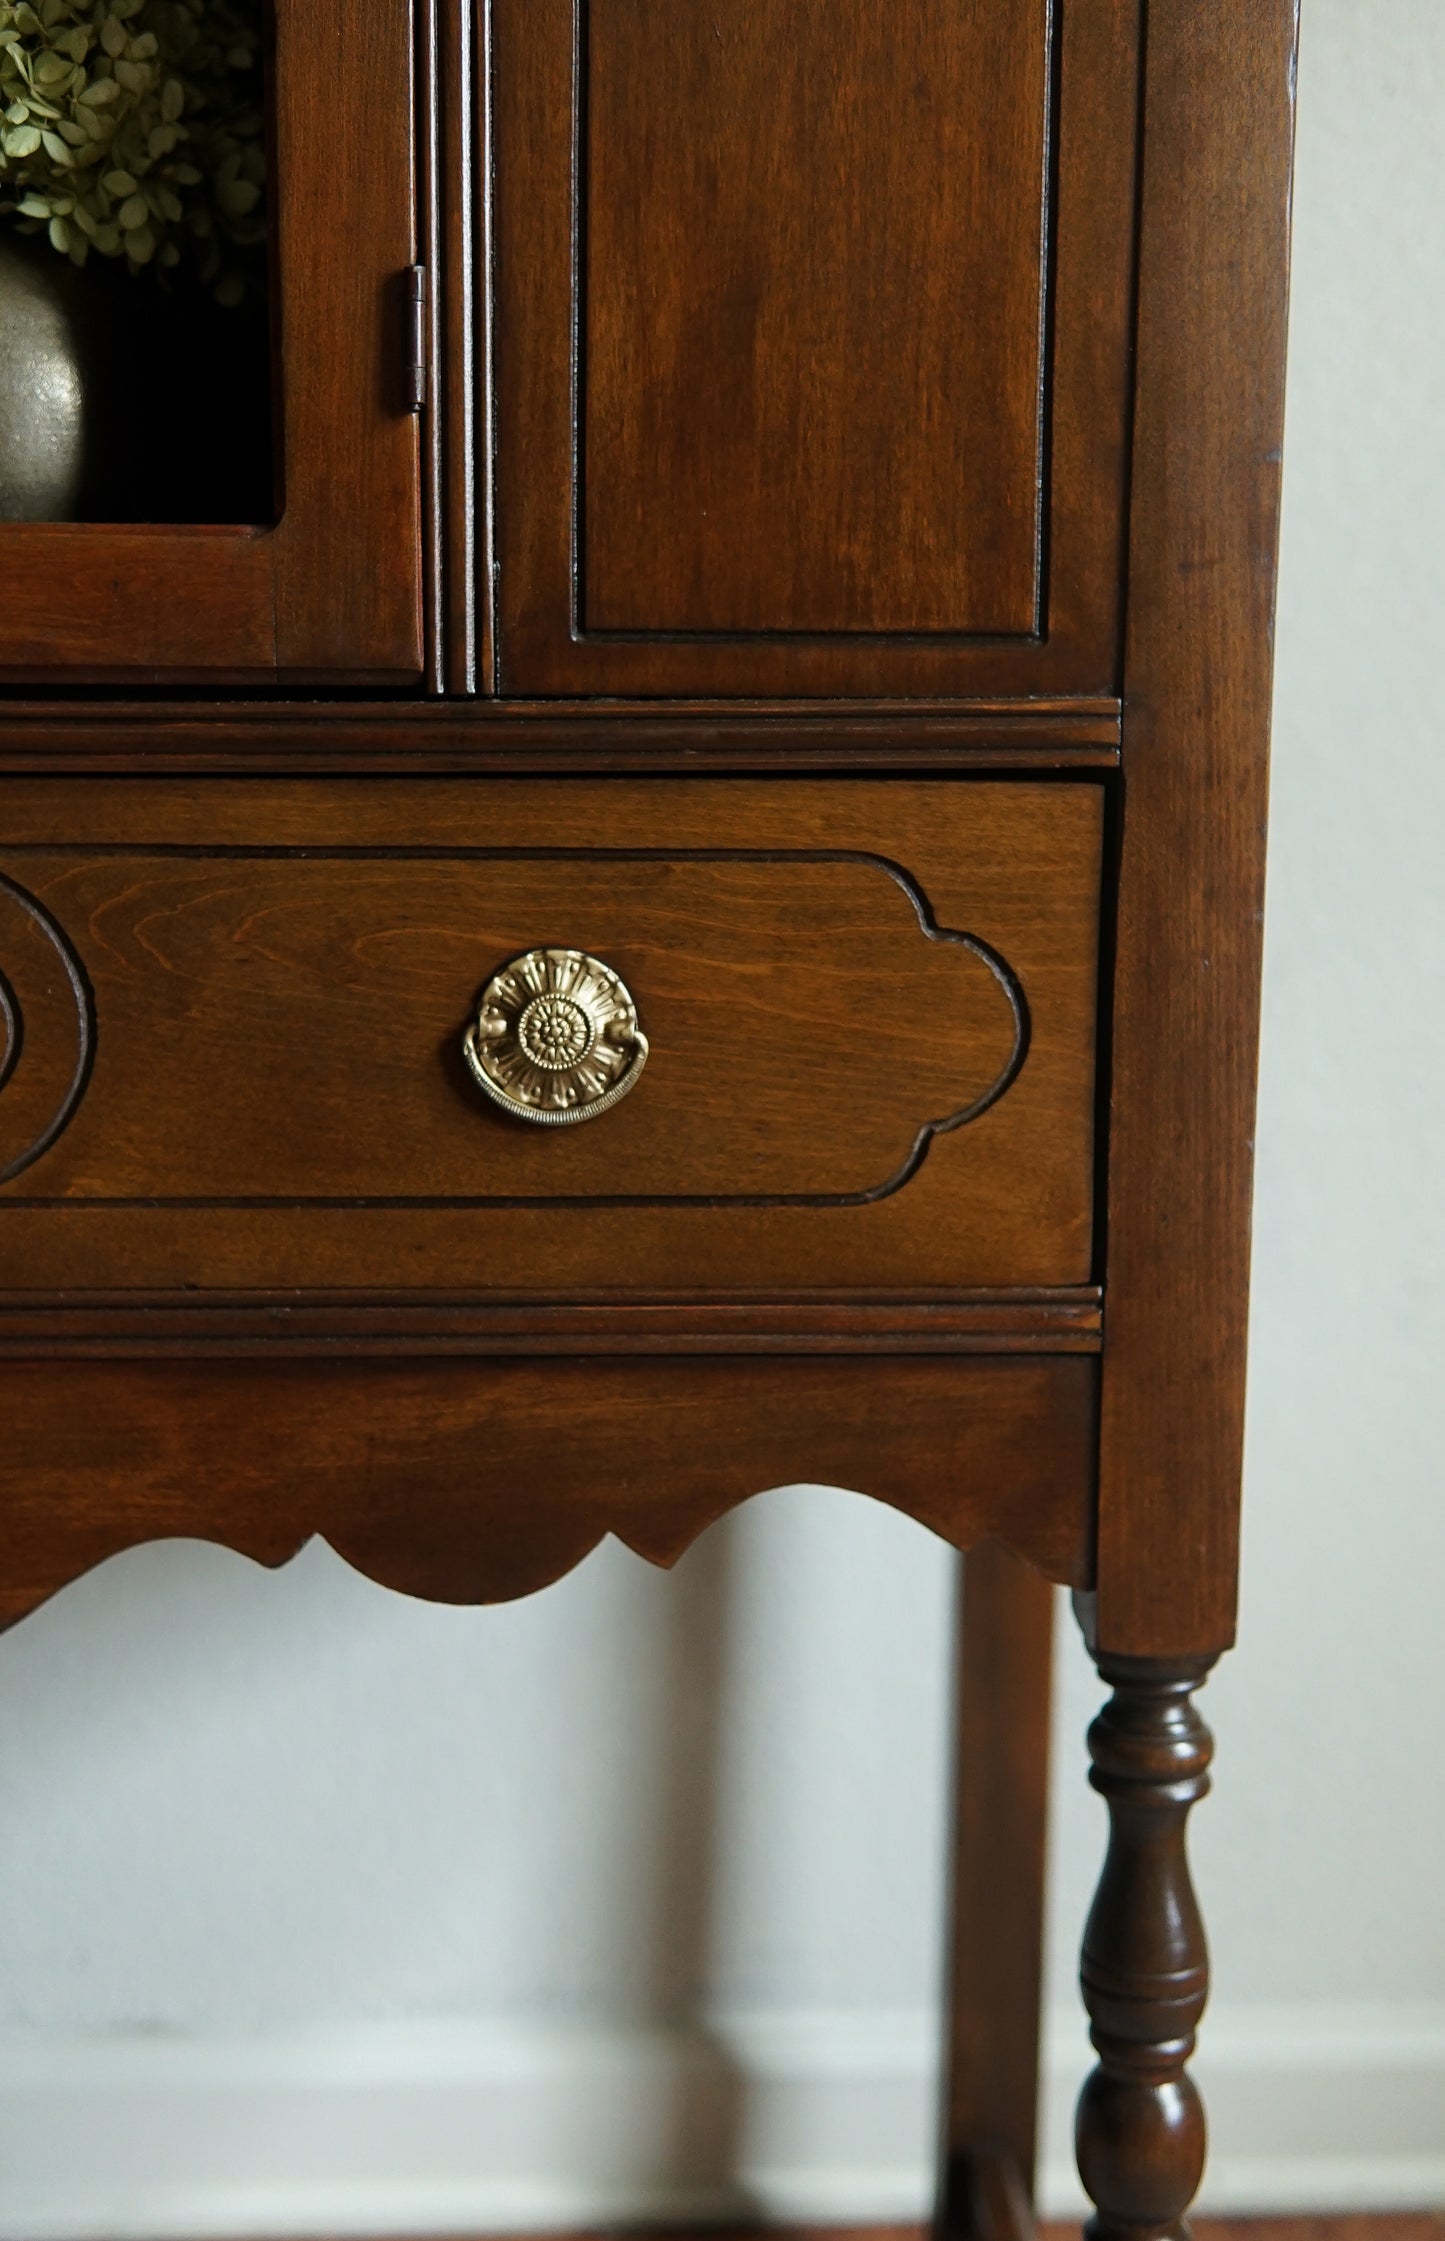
[238, 1016]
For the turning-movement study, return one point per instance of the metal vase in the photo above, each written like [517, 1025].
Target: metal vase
[42, 385]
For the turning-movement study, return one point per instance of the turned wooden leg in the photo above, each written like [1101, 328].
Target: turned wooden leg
[996, 1903]
[1145, 1967]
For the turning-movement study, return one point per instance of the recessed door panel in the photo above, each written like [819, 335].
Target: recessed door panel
[811, 339]
[797, 414]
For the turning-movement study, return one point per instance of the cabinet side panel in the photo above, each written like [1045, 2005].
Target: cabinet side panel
[1217, 151]
[812, 352]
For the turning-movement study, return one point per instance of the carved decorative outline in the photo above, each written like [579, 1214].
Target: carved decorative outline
[13, 1024]
[996, 965]
[13, 1015]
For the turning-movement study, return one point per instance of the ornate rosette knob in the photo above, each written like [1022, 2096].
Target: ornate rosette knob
[555, 1038]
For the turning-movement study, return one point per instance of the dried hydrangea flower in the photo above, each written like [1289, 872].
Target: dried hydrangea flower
[134, 128]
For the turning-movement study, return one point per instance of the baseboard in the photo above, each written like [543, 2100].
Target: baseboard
[510, 2126]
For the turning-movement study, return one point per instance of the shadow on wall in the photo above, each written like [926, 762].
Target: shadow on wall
[701, 2141]
[615, 1902]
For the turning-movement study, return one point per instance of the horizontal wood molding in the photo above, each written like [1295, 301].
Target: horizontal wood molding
[276, 1325]
[500, 736]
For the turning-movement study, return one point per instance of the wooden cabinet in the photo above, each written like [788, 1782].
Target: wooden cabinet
[698, 883]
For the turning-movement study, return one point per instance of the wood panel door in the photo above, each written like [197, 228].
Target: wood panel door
[323, 579]
[812, 326]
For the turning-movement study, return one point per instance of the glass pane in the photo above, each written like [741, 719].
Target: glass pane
[135, 361]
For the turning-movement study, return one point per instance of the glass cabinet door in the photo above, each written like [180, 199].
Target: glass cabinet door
[209, 457]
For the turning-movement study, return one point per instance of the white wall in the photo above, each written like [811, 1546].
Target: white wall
[322, 1910]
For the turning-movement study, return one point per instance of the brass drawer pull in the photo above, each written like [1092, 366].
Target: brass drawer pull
[555, 1038]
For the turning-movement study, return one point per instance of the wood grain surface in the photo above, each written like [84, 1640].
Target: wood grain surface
[305, 1015]
[796, 415]
[473, 1484]
[1203, 540]
[812, 344]
[994, 1958]
[281, 978]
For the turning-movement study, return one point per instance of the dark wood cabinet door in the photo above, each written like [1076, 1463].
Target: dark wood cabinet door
[811, 344]
[329, 588]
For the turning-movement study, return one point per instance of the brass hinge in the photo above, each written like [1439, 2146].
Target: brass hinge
[418, 340]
